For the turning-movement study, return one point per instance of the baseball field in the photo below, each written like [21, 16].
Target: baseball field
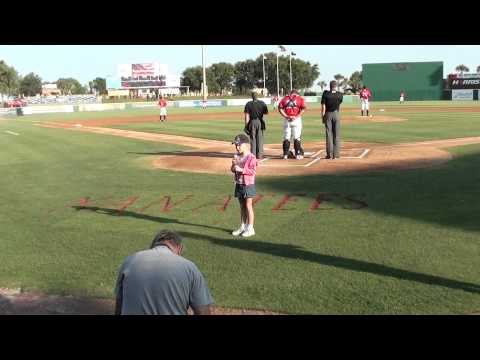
[390, 228]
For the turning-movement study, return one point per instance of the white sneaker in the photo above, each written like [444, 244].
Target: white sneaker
[249, 232]
[285, 157]
[239, 231]
[299, 157]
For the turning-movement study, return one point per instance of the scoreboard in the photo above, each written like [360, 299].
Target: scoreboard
[144, 75]
[143, 82]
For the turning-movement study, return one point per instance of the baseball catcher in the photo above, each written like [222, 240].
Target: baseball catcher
[291, 107]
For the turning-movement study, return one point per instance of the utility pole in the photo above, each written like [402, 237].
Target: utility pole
[263, 59]
[204, 87]
[291, 83]
[278, 80]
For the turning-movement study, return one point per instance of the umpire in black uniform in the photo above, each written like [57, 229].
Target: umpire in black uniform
[331, 101]
[255, 125]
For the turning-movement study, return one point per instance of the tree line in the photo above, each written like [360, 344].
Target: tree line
[222, 78]
[11, 83]
[243, 76]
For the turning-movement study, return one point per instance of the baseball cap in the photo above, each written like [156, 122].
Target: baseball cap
[241, 139]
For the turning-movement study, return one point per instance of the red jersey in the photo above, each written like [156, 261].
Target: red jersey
[162, 103]
[365, 94]
[402, 94]
[292, 104]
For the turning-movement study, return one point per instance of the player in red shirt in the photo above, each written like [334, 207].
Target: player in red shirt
[163, 108]
[291, 107]
[365, 96]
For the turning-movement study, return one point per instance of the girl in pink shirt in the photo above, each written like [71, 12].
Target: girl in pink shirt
[244, 165]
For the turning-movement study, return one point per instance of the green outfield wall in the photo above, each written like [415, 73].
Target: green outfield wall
[419, 80]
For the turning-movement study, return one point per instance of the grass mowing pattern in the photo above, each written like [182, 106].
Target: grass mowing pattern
[420, 126]
[414, 249]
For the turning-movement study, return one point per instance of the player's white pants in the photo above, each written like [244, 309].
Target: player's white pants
[401, 98]
[163, 111]
[292, 128]
[365, 105]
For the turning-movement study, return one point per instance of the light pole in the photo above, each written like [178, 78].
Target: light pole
[278, 80]
[291, 80]
[263, 61]
[204, 75]
[282, 49]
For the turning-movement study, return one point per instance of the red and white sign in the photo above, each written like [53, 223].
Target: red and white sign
[144, 69]
[147, 69]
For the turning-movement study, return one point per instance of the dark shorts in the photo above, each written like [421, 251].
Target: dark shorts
[245, 191]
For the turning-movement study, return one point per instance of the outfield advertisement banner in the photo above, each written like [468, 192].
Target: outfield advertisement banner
[242, 102]
[198, 103]
[470, 83]
[50, 109]
[237, 102]
[462, 94]
[101, 107]
[311, 99]
[213, 103]
[145, 105]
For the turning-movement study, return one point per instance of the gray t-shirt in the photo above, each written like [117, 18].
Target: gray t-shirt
[159, 282]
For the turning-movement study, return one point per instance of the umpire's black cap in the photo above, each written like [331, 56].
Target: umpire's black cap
[241, 139]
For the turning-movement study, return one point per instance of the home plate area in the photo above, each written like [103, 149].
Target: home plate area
[274, 158]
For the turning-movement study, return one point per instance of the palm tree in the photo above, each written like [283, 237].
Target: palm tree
[322, 84]
[355, 81]
[462, 68]
[339, 78]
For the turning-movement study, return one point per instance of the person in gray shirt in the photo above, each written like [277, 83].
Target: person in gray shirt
[159, 281]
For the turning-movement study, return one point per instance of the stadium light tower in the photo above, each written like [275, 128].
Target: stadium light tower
[291, 81]
[263, 61]
[204, 87]
[282, 49]
[278, 80]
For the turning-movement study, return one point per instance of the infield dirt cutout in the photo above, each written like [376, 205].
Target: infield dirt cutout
[211, 156]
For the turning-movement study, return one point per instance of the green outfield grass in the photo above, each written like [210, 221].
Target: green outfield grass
[413, 250]
[420, 125]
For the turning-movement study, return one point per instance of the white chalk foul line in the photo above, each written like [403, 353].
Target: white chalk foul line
[11, 132]
[365, 152]
[317, 153]
[312, 162]
[361, 156]
[264, 159]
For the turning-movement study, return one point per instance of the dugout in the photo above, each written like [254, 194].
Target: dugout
[419, 80]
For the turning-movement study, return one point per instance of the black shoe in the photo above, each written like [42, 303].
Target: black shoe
[328, 157]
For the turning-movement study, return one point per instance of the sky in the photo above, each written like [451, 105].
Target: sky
[86, 62]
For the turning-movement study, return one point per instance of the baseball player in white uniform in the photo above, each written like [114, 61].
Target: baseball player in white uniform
[291, 107]
[365, 96]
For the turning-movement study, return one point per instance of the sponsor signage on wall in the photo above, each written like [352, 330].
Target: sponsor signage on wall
[462, 94]
[464, 81]
[198, 103]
